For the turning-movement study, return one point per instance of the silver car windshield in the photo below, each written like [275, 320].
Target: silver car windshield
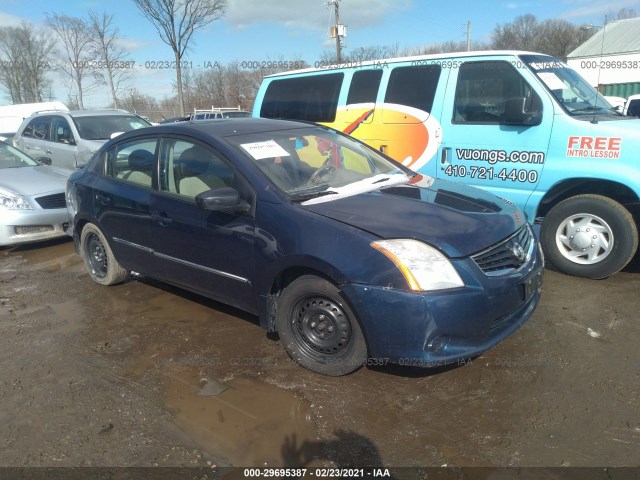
[568, 87]
[101, 127]
[13, 158]
[309, 162]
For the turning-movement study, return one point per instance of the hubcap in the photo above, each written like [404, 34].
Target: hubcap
[96, 256]
[584, 238]
[321, 326]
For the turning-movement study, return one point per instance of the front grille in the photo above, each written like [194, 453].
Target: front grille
[52, 201]
[33, 229]
[507, 256]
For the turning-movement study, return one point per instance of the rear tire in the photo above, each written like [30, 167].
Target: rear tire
[589, 236]
[318, 329]
[98, 257]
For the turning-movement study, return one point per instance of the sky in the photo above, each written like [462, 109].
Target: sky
[268, 30]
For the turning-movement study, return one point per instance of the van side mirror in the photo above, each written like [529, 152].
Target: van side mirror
[515, 113]
[43, 160]
[225, 199]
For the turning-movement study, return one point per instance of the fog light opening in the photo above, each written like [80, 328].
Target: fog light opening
[437, 344]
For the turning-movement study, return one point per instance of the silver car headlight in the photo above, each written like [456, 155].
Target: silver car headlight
[424, 267]
[13, 201]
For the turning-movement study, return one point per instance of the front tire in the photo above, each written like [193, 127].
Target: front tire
[318, 329]
[98, 257]
[589, 236]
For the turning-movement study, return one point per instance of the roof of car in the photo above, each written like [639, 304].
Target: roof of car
[92, 113]
[228, 127]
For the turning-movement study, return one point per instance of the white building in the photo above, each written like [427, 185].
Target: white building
[610, 59]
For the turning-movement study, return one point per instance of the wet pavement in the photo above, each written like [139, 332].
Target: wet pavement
[142, 374]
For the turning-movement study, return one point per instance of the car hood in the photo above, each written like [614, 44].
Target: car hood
[29, 181]
[457, 219]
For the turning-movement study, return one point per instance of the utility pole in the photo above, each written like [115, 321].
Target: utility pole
[468, 35]
[338, 31]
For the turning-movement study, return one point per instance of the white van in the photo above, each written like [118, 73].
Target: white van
[522, 125]
[11, 116]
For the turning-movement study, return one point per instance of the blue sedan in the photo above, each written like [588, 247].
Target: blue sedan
[350, 257]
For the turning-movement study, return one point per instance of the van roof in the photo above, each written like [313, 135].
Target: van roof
[436, 56]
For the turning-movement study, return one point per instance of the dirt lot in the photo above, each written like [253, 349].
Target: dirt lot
[142, 374]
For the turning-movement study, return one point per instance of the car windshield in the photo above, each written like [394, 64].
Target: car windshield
[316, 162]
[568, 87]
[101, 127]
[13, 158]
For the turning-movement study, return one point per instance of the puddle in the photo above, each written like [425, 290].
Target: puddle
[56, 257]
[249, 423]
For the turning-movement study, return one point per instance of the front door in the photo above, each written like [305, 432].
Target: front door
[479, 147]
[206, 251]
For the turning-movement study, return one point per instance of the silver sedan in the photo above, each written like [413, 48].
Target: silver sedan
[32, 201]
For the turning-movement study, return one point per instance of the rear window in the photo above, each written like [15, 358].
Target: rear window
[313, 98]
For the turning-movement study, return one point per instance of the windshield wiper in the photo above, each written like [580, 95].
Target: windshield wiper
[590, 108]
[304, 196]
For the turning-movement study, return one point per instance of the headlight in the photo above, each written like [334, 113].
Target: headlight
[424, 267]
[70, 195]
[12, 201]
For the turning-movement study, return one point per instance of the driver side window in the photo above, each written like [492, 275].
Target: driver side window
[483, 90]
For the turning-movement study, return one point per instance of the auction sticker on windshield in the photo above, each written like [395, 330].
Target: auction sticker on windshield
[261, 150]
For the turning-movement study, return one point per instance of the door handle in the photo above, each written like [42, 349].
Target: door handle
[162, 219]
[103, 199]
[27, 147]
[444, 159]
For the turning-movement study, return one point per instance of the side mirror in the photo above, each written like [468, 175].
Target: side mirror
[43, 160]
[225, 199]
[515, 113]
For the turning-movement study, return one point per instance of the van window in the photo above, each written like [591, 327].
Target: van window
[413, 86]
[483, 90]
[313, 98]
[364, 86]
[634, 108]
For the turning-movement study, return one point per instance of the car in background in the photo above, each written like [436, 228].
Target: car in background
[12, 116]
[632, 107]
[69, 139]
[32, 199]
[349, 256]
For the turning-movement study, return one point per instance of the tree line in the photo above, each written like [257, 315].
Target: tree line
[89, 53]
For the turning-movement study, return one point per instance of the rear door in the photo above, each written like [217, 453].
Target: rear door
[35, 138]
[122, 197]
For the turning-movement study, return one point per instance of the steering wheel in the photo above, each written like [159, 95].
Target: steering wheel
[321, 174]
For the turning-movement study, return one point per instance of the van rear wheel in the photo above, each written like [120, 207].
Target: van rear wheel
[589, 236]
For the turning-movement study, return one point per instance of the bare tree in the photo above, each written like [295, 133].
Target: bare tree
[76, 38]
[26, 56]
[176, 21]
[621, 14]
[553, 36]
[113, 57]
